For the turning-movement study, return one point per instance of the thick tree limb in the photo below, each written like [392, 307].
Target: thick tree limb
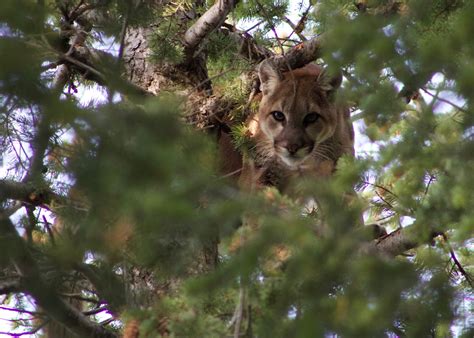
[300, 55]
[27, 192]
[397, 242]
[45, 296]
[207, 23]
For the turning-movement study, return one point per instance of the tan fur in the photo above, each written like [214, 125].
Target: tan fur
[293, 147]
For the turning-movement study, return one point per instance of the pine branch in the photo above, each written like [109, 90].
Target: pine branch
[44, 295]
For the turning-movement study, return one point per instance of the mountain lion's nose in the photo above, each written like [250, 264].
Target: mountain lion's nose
[293, 148]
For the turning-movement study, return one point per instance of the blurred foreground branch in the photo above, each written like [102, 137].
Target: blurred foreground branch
[45, 296]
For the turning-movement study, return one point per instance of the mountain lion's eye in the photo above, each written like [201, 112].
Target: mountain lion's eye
[311, 118]
[278, 116]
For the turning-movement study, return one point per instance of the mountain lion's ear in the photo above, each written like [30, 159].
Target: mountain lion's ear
[269, 76]
[329, 81]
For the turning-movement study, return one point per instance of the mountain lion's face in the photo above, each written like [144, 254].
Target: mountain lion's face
[297, 113]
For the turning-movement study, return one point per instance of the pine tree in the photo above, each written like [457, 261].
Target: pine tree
[116, 218]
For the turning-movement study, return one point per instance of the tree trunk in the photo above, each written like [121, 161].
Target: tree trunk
[139, 69]
[154, 77]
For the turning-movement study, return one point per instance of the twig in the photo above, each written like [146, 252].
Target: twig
[383, 199]
[80, 297]
[381, 187]
[29, 333]
[296, 27]
[232, 173]
[463, 272]
[49, 231]
[33, 313]
[437, 97]
[431, 179]
[31, 223]
[99, 75]
[95, 311]
[272, 26]
[107, 321]
[254, 26]
[209, 79]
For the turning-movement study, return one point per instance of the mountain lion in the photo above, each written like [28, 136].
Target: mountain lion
[299, 130]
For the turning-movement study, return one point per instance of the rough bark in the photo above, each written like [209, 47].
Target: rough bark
[138, 66]
[191, 75]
